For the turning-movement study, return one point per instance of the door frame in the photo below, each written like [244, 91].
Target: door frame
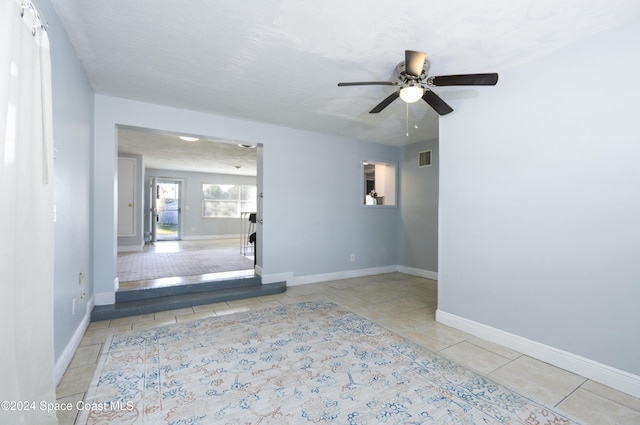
[155, 180]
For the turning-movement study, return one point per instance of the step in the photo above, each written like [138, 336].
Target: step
[182, 300]
[205, 286]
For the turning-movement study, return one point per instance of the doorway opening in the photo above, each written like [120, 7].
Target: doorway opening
[190, 234]
[166, 210]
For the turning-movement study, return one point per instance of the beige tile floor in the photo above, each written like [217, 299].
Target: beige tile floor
[406, 305]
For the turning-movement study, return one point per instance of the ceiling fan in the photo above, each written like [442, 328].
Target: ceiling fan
[412, 77]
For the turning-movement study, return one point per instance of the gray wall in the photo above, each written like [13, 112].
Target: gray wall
[313, 217]
[259, 172]
[313, 210]
[193, 224]
[540, 205]
[72, 132]
[418, 224]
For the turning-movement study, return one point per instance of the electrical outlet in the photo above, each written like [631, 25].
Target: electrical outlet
[353, 257]
[81, 278]
[73, 307]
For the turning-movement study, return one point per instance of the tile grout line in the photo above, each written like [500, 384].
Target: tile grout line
[606, 397]
[506, 364]
[570, 393]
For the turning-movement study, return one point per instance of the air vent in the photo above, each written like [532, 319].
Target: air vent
[424, 159]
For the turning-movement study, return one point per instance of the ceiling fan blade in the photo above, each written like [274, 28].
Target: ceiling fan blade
[414, 62]
[436, 102]
[465, 80]
[393, 96]
[369, 83]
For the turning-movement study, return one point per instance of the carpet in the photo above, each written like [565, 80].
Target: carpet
[312, 362]
[153, 265]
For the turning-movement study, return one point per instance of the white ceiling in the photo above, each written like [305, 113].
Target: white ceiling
[278, 61]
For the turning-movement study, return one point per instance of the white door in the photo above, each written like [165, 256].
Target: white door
[126, 196]
[167, 210]
[154, 208]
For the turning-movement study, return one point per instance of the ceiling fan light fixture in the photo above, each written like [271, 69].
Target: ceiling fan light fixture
[411, 94]
[411, 75]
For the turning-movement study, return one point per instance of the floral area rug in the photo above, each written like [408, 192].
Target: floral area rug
[313, 362]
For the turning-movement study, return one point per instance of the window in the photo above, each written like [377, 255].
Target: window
[227, 200]
[379, 183]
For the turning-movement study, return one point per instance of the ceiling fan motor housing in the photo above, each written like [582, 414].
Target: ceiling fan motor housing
[401, 76]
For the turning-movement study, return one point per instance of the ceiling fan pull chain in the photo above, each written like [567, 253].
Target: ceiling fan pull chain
[407, 119]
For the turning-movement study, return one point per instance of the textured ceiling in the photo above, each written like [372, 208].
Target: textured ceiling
[278, 61]
[168, 152]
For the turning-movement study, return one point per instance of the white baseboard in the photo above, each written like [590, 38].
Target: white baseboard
[65, 358]
[418, 272]
[347, 274]
[324, 277]
[105, 298]
[210, 237]
[604, 374]
[276, 277]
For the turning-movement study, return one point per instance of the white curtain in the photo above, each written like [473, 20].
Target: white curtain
[26, 220]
